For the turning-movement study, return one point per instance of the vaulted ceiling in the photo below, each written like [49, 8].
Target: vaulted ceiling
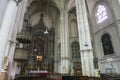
[52, 9]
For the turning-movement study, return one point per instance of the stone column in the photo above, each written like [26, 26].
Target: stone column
[56, 66]
[3, 4]
[64, 66]
[17, 25]
[56, 52]
[5, 27]
[84, 39]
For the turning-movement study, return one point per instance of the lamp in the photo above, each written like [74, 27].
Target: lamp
[46, 32]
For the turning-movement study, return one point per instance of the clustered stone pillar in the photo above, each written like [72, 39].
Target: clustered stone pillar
[56, 55]
[12, 20]
[3, 4]
[5, 29]
[64, 66]
[17, 25]
[84, 39]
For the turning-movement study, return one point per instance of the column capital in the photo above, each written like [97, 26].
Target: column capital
[17, 1]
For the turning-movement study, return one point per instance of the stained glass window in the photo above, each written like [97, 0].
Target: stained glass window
[101, 14]
[75, 50]
[107, 44]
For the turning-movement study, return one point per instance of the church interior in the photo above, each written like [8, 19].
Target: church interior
[59, 39]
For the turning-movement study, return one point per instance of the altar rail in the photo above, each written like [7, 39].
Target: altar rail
[90, 78]
[33, 77]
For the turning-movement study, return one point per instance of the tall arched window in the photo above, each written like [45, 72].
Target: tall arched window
[75, 50]
[101, 13]
[107, 44]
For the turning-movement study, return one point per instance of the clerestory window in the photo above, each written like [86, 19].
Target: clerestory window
[101, 14]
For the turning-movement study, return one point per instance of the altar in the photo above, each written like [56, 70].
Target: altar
[34, 75]
[39, 72]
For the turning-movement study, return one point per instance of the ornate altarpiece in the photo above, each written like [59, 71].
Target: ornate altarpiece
[40, 50]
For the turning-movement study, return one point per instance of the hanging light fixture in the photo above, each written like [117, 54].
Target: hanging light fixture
[46, 31]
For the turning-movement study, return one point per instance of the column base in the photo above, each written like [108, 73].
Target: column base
[3, 74]
[97, 72]
[87, 63]
[64, 68]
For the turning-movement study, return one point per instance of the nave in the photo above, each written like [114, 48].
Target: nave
[59, 39]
